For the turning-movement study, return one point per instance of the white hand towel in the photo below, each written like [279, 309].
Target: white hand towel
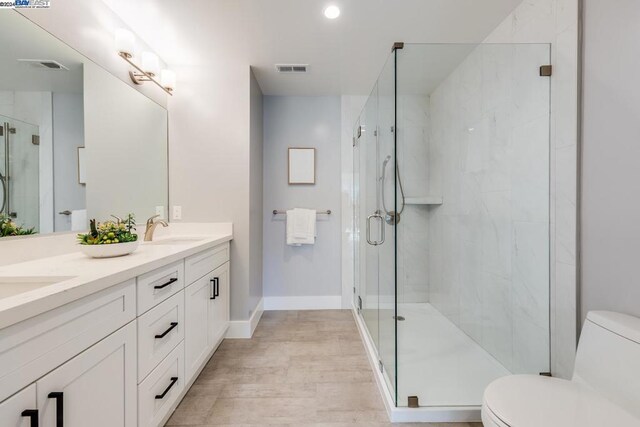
[290, 239]
[304, 221]
[79, 220]
[301, 227]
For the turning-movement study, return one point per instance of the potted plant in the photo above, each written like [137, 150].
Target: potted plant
[110, 238]
[9, 228]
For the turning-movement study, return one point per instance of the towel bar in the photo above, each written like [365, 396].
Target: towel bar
[327, 212]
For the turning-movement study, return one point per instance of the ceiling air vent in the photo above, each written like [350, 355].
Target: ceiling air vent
[292, 68]
[49, 64]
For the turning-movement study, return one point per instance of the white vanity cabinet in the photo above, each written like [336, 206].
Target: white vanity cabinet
[219, 305]
[122, 357]
[20, 410]
[206, 306]
[198, 318]
[96, 388]
[76, 362]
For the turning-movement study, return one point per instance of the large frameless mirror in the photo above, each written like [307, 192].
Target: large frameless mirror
[69, 151]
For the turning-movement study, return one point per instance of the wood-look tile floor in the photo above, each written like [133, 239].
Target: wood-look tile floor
[301, 368]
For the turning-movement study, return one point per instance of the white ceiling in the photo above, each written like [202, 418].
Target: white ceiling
[345, 55]
[23, 40]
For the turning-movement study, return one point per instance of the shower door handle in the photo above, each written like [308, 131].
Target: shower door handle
[368, 234]
[381, 221]
[382, 229]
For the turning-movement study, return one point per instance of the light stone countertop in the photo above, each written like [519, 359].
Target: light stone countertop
[87, 276]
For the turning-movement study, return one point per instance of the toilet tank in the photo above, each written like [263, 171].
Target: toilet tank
[608, 358]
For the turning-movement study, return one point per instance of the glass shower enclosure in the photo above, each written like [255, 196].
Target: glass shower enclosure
[19, 172]
[451, 217]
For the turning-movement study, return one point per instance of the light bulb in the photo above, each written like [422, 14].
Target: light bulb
[332, 12]
[125, 42]
[150, 63]
[168, 79]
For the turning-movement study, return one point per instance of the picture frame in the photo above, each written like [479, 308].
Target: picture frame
[301, 165]
[82, 171]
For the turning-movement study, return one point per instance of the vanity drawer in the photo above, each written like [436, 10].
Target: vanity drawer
[200, 264]
[31, 349]
[159, 331]
[159, 392]
[158, 285]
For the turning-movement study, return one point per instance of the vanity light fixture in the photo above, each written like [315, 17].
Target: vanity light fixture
[149, 68]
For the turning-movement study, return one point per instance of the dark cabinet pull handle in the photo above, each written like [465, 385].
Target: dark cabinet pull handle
[59, 397]
[174, 380]
[216, 283]
[214, 288]
[172, 280]
[33, 414]
[162, 335]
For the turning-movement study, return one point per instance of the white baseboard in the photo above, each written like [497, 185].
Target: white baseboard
[245, 328]
[331, 302]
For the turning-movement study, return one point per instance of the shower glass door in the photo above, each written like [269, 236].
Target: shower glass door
[452, 180]
[19, 172]
[367, 149]
[473, 126]
[374, 208]
[388, 209]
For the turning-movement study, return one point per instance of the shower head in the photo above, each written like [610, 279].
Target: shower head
[384, 169]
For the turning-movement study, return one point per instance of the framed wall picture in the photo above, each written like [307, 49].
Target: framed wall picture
[302, 166]
[82, 171]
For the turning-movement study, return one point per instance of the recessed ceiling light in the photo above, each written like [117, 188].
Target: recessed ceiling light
[332, 12]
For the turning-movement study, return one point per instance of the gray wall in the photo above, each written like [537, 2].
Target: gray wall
[302, 122]
[210, 155]
[68, 135]
[611, 152]
[255, 192]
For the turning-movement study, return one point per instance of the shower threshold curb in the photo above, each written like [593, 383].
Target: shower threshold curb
[425, 414]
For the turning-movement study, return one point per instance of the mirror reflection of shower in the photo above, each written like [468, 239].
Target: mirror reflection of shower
[19, 175]
[391, 216]
[5, 131]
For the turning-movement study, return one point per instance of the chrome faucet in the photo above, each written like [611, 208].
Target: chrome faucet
[151, 227]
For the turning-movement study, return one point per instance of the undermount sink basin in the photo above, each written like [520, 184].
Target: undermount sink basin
[183, 240]
[10, 286]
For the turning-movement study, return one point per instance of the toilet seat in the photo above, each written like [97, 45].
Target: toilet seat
[536, 401]
[489, 419]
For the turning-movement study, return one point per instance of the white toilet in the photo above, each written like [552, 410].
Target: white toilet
[604, 390]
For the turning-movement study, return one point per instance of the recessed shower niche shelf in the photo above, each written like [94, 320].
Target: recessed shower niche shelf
[428, 200]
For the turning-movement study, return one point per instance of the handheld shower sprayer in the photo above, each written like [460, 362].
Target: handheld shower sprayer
[384, 171]
[384, 164]
[391, 217]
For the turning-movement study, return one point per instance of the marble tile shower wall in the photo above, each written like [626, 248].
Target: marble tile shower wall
[412, 152]
[556, 22]
[488, 251]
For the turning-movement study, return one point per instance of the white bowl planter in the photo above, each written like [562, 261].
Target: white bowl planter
[110, 250]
